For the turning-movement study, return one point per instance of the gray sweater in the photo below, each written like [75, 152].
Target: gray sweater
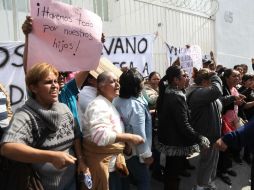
[60, 123]
[206, 108]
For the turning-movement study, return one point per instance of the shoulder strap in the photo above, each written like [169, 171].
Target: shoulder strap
[41, 136]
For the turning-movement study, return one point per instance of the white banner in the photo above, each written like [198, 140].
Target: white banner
[12, 73]
[130, 51]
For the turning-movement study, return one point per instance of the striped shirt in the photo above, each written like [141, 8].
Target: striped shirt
[4, 121]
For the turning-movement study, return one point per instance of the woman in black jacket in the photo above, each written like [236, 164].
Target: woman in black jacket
[176, 137]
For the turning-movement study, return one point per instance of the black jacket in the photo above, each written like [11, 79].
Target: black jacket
[206, 108]
[174, 129]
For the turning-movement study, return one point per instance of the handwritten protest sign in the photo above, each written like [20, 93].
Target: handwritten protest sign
[65, 36]
[190, 57]
[174, 52]
[12, 74]
[130, 51]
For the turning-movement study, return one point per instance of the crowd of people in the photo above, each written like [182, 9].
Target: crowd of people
[114, 125]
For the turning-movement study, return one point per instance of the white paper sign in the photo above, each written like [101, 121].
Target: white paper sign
[191, 57]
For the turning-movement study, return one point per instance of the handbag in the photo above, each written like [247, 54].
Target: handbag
[16, 175]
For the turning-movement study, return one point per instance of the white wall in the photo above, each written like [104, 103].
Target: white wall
[234, 32]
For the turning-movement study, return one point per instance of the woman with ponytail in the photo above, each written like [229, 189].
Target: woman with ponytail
[176, 137]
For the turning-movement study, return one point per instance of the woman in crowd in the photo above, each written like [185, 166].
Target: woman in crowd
[41, 115]
[202, 98]
[151, 89]
[176, 137]
[151, 93]
[247, 90]
[133, 109]
[104, 135]
[231, 99]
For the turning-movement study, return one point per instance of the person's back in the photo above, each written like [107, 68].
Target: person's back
[206, 108]
[202, 98]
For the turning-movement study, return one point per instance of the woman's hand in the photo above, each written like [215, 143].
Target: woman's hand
[62, 159]
[82, 167]
[239, 100]
[127, 149]
[148, 161]
[219, 144]
[130, 138]
[136, 139]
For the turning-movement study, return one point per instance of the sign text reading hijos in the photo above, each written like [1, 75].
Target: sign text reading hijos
[66, 35]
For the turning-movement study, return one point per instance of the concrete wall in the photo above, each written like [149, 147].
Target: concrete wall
[234, 32]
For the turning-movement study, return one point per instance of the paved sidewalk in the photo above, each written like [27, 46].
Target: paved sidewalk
[240, 182]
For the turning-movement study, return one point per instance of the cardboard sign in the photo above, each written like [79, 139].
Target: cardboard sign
[65, 36]
[190, 57]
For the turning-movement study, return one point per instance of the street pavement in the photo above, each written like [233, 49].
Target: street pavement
[240, 182]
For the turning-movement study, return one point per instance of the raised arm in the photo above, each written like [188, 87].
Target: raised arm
[27, 28]
[80, 78]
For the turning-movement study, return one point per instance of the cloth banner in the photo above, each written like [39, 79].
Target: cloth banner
[65, 36]
[130, 51]
[12, 74]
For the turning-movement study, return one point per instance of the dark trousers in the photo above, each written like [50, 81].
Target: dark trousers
[225, 162]
[174, 166]
[252, 174]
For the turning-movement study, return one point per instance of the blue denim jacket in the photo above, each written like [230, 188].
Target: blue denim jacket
[136, 117]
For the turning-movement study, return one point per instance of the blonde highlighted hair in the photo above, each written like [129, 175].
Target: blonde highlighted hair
[38, 72]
